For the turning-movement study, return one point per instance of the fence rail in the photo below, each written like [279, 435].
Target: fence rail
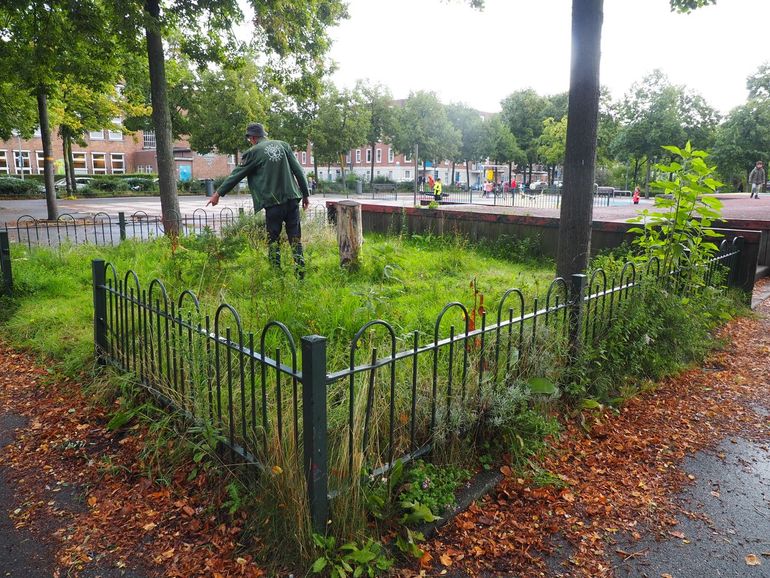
[548, 198]
[398, 393]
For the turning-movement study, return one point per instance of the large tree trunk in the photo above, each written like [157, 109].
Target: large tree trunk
[45, 135]
[468, 174]
[161, 120]
[71, 184]
[580, 155]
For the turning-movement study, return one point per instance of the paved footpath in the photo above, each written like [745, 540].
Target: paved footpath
[736, 206]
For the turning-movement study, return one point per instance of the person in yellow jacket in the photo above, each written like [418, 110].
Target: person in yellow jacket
[437, 188]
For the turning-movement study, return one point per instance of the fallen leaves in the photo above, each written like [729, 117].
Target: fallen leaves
[753, 560]
[124, 520]
[620, 477]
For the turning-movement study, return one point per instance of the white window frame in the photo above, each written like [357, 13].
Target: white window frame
[312, 159]
[38, 133]
[368, 156]
[358, 156]
[78, 155]
[115, 134]
[407, 159]
[121, 158]
[96, 134]
[378, 156]
[231, 160]
[391, 155]
[25, 167]
[407, 174]
[40, 162]
[148, 140]
[347, 158]
[304, 157]
[99, 170]
[5, 168]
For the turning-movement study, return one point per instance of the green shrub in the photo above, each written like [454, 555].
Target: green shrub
[109, 184]
[13, 187]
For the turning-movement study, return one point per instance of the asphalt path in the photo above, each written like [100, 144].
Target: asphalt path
[736, 206]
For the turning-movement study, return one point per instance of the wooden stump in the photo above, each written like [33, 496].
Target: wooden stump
[350, 234]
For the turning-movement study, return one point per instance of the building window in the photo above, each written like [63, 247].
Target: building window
[147, 169]
[149, 139]
[368, 156]
[347, 158]
[96, 134]
[115, 134]
[378, 156]
[312, 160]
[99, 163]
[391, 156]
[79, 163]
[21, 162]
[304, 157]
[4, 169]
[407, 174]
[358, 155]
[230, 159]
[118, 163]
[407, 159]
[40, 160]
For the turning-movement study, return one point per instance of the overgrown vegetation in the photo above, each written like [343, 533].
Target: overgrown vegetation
[509, 411]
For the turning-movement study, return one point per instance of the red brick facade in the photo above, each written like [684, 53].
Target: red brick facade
[107, 152]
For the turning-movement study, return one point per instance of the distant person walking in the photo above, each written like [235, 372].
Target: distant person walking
[757, 179]
[637, 194]
[276, 183]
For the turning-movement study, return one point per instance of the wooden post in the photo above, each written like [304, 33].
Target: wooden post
[350, 234]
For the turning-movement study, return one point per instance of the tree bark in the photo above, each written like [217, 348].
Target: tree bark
[45, 135]
[371, 176]
[580, 154]
[161, 120]
[350, 236]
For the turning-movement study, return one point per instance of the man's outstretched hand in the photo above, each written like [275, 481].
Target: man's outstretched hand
[214, 200]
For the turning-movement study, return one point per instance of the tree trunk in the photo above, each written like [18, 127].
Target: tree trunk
[66, 149]
[580, 155]
[45, 135]
[70, 167]
[453, 173]
[350, 236]
[468, 174]
[371, 176]
[161, 120]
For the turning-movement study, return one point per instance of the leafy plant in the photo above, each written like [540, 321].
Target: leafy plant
[677, 230]
[429, 490]
[350, 559]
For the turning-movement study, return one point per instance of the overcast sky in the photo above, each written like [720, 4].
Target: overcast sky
[478, 58]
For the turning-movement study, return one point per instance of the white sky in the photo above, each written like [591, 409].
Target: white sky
[479, 58]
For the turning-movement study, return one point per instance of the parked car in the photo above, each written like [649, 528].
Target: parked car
[538, 186]
[80, 183]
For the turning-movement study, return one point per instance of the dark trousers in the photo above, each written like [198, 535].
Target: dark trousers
[275, 217]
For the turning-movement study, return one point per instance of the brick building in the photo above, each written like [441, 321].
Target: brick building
[109, 152]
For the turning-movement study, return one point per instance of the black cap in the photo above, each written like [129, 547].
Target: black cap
[255, 129]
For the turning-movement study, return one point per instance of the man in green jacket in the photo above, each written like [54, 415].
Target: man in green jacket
[276, 183]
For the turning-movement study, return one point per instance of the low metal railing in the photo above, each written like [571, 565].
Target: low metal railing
[398, 393]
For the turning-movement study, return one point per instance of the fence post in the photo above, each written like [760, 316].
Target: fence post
[576, 290]
[315, 428]
[5, 263]
[98, 274]
[241, 212]
[122, 225]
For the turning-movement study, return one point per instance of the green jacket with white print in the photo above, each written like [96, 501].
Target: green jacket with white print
[273, 173]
